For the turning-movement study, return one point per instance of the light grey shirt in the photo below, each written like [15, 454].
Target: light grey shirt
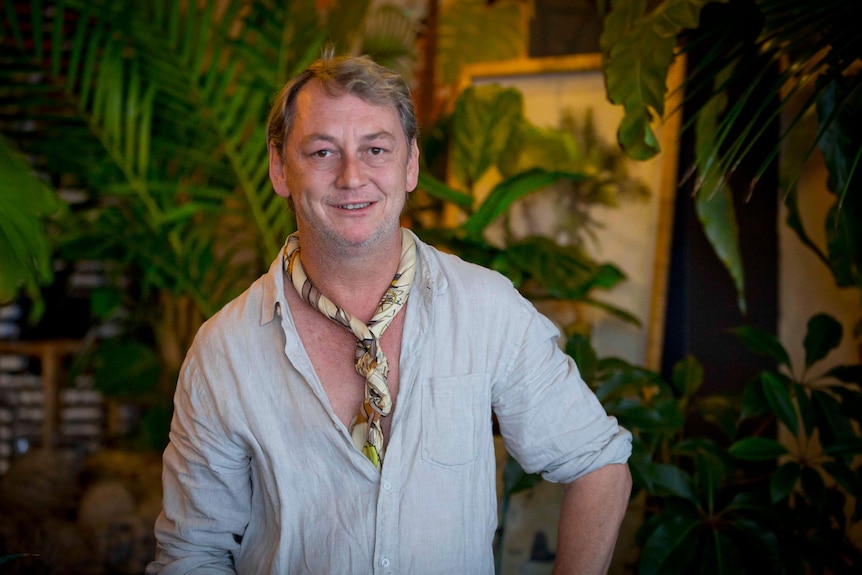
[262, 477]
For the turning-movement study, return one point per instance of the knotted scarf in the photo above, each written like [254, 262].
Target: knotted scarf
[371, 363]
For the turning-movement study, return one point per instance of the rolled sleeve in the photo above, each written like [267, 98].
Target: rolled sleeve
[551, 422]
[207, 489]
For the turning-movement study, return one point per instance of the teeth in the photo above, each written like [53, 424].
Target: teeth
[356, 206]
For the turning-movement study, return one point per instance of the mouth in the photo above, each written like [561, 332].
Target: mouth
[359, 206]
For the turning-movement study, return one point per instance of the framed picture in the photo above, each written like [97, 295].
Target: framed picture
[635, 235]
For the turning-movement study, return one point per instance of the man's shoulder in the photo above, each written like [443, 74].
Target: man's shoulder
[457, 270]
[238, 316]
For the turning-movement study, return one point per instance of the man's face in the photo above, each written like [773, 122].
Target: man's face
[347, 167]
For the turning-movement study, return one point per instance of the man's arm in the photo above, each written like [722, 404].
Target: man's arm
[592, 511]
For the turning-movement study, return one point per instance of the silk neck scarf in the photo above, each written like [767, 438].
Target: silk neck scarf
[365, 429]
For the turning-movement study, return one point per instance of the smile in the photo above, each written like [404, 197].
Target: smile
[355, 206]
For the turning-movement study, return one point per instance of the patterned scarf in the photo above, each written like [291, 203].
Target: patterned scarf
[365, 429]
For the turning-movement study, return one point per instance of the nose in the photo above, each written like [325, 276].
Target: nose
[351, 174]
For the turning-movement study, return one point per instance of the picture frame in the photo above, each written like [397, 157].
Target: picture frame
[636, 236]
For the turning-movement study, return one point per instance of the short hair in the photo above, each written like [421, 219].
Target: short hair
[339, 75]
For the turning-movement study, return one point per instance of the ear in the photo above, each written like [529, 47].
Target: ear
[276, 172]
[413, 167]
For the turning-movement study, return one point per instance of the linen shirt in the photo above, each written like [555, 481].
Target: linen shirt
[261, 476]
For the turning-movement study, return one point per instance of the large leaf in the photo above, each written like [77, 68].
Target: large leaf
[638, 49]
[484, 120]
[714, 201]
[671, 546]
[25, 249]
[775, 389]
[511, 190]
[762, 342]
[824, 334]
[757, 449]
[687, 376]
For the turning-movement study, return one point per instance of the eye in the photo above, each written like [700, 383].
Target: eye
[321, 153]
[376, 151]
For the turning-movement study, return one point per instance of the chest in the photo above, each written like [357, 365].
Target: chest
[331, 349]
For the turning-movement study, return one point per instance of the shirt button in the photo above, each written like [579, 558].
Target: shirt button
[384, 562]
[387, 486]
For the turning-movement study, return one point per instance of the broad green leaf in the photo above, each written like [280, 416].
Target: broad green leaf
[762, 342]
[829, 418]
[126, 369]
[687, 376]
[511, 190]
[638, 49]
[441, 191]
[846, 373]
[721, 410]
[753, 400]
[794, 222]
[783, 481]
[675, 534]
[803, 404]
[484, 120]
[757, 449]
[672, 480]
[578, 347]
[845, 477]
[718, 217]
[534, 147]
[844, 445]
[778, 397]
[824, 334]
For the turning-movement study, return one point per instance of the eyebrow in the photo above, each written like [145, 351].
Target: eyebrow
[321, 137]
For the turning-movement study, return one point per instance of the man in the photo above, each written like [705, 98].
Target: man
[337, 416]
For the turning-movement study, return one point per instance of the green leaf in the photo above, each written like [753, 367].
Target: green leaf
[764, 343]
[441, 191]
[509, 191]
[783, 481]
[824, 334]
[126, 368]
[718, 217]
[638, 49]
[757, 449]
[25, 247]
[672, 480]
[484, 120]
[104, 301]
[753, 400]
[846, 373]
[721, 410]
[687, 376]
[829, 418]
[778, 397]
[578, 347]
[670, 547]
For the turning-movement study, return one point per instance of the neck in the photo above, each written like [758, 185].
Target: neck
[356, 278]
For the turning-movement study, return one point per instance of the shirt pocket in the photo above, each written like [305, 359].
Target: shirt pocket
[456, 417]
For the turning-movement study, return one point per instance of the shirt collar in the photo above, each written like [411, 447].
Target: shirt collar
[431, 281]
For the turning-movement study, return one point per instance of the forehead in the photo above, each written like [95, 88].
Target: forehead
[319, 111]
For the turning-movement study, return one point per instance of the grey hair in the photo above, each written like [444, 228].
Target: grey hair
[340, 75]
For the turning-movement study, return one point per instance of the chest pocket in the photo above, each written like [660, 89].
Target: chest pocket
[456, 419]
